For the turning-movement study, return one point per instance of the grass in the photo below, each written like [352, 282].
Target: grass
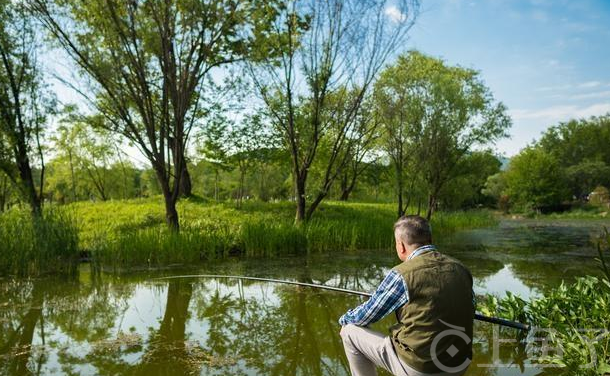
[133, 232]
[34, 246]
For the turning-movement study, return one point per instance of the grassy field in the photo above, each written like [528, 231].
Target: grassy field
[133, 232]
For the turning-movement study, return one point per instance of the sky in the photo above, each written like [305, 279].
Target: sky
[548, 61]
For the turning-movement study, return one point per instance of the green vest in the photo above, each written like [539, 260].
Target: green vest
[440, 304]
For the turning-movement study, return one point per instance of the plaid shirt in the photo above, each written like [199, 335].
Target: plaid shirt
[391, 294]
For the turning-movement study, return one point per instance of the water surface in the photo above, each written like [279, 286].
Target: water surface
[139, 323]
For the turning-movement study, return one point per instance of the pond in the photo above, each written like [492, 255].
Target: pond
[144, 323]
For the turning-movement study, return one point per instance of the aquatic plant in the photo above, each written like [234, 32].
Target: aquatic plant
[36, 245]
[574, 317]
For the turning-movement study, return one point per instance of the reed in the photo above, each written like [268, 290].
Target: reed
[37, 245]
[133, 232]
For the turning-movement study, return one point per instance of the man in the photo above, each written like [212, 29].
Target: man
[431, 294]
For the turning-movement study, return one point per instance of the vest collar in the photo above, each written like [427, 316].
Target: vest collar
[421, 250]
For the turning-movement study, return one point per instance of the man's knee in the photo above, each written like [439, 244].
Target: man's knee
[347, 331]
[348, 335]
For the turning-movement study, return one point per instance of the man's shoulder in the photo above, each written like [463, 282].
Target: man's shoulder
[427, 260]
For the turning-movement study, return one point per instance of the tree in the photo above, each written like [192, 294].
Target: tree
[213, 146]
[535, 178]
[583, 177]
[581, 148]
[435, 115]
[89, 150]
[567, 141]
[472, 173]
[5, 191]
[324, 48]
[248, 141]
[147, 60]
[360, 145]
[24, 103]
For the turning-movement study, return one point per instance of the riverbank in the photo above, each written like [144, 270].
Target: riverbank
[578, 212]
[129, 233]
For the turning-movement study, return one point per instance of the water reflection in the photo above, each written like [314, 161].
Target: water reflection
[136, 324]
[190, 326]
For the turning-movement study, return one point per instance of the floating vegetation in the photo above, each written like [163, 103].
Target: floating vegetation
[122, 342]
[187, 355]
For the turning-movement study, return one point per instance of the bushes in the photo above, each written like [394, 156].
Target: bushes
[32, 246]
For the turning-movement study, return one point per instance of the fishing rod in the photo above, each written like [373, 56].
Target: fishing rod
[477, 316]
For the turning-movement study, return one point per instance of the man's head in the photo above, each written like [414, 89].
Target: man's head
[411, 232]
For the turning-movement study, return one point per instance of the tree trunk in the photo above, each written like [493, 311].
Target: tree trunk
[171, 214]
[216, 184]
[344, 187]
[347, 189]
[27, 181]
[3, 192]
[73, 181]
[300, 199]
[186, 186]
[345, 195]
[431, 203]
[314, 205]
[240, 193]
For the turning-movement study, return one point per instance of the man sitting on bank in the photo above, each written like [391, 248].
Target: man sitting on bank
[432, 296]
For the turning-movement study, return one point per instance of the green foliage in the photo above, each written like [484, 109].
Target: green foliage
[566, 140]
[603, 250]
[536, 179]
[600, 196]
[466, 189]
[433, 115]
[583, 177]
[572, 317]
[40, 244]
[132, 232]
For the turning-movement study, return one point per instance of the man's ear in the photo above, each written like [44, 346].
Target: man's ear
[403, 247]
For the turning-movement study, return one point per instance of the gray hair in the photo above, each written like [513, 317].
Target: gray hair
[413, 229]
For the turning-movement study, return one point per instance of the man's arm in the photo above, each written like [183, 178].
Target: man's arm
[391, 294]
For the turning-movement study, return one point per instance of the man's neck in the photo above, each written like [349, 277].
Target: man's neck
[420, 249]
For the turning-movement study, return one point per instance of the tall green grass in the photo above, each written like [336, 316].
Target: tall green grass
[33, 246]
[133, 232]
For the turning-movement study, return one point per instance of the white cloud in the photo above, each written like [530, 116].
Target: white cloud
[553, 88]
[597, 94]
[395, 14]
[590, 84]
[565, 112]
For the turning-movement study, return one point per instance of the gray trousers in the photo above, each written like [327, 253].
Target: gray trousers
[367, 349]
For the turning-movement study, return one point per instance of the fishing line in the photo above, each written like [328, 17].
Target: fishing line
[477, 316]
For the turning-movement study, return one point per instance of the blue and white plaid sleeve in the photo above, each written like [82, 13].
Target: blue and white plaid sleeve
[391, 294]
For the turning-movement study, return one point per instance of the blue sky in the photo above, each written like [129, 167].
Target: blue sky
[547, 60]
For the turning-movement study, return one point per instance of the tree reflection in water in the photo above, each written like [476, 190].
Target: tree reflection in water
[132, 326]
